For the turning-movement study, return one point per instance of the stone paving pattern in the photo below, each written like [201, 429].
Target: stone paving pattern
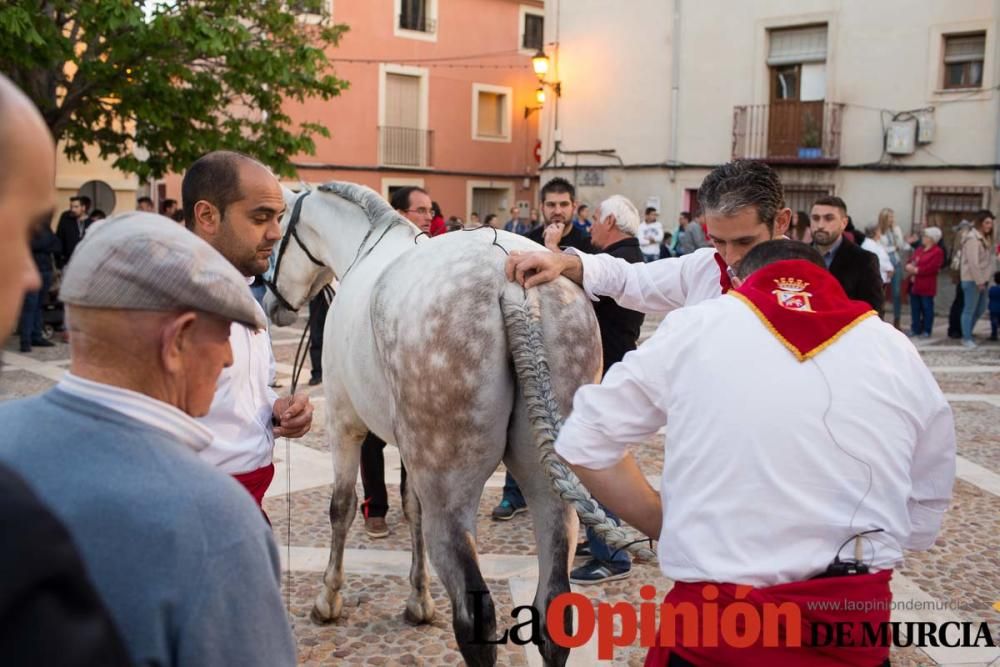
[964, 564]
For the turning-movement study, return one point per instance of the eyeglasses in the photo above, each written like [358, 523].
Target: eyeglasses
[420, 211]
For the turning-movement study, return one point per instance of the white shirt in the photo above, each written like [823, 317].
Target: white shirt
[884, 262]
[650, 235]
[240, 416]
[755, 488]
[657, 287]
[142, 408]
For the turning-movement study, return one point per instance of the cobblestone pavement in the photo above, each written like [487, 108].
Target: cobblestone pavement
[961, 572]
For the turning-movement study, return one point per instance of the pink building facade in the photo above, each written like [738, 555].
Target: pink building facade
[437, 98]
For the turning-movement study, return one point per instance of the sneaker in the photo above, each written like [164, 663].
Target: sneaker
[925, 335]
[506, 511]
[582, 550]
[41, 342]
[969, 344]
[315, 381]
[597, 572]
[376, 527]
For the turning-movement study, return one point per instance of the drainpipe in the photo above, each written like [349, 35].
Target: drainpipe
[675, 86]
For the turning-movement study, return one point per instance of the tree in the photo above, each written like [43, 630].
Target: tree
[177, 78]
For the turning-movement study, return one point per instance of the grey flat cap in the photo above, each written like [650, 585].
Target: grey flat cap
[144, 261]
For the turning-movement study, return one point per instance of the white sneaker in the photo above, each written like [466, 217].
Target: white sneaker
[969, 344]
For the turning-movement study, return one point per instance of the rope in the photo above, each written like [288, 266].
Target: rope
[297, 365]
[532, 369]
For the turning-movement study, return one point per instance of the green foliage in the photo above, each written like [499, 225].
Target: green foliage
[178, 78]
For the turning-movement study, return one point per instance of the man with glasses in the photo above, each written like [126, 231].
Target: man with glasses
[414, 204]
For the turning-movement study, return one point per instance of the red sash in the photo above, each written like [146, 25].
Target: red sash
[861, 591]
[256, 482]
[802, 304]
[724, 281]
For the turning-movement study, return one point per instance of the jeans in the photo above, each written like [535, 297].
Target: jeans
[512, 492]
[975, 306]
[30, 325]
[600, 550]
[994, 325]
[922, 311]
[897, 289]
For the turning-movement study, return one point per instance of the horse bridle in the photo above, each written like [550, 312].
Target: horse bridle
[290, 233]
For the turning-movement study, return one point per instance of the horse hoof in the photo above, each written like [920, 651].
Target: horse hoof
[324, 612]
[419, 614]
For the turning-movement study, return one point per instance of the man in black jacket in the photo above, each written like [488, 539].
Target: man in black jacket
[855, 269]
[613, 231]
[72, 225]
[558, 205]
[44, 246]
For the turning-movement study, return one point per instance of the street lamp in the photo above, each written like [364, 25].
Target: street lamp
[540, 64]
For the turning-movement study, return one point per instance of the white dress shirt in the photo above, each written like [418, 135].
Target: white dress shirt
[884, 262]
[240, 416]
[771, 464]
[657, 287]
[142, 408]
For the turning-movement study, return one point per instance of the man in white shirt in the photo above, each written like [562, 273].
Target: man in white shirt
[743, 204]
[235, 204]
[766, 493]
[650, 235]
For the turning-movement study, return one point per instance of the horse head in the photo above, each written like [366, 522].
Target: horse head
[322, 235]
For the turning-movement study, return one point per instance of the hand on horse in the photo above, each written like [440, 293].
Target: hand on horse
[536, 268]
[293, 416]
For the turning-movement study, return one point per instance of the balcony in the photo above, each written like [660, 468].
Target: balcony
[788, 132]
[405, 147]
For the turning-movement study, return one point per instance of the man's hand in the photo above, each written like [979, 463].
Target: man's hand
[552, 235]
[294, 415]
[536, 268]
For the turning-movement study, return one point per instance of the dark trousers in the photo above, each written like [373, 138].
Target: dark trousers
[955, 313]
[376, 502]
[994, 324]
[922, 312]
[30, 325]
[318, 308]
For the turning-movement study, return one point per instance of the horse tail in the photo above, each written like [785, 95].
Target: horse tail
[522, 319]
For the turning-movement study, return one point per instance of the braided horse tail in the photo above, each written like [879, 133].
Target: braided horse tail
[524, 331]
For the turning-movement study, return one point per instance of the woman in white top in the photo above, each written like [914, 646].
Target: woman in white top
[895, 244]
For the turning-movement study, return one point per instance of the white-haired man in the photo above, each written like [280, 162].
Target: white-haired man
[613, 232]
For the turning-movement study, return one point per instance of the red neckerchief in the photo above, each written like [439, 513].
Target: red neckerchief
[802, 304]
[724, 282]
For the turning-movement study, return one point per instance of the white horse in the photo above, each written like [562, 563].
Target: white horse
[418, 349]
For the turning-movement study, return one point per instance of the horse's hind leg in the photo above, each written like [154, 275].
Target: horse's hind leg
[555, 525]
[346, 449]
[420, 605]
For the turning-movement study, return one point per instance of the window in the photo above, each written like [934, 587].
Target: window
[491, 107]
[531, 26]
[534, 25]
[404, 139]
[311, 11]
[963, 60]
[413, 15]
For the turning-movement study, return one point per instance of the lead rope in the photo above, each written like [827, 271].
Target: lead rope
[297, 365]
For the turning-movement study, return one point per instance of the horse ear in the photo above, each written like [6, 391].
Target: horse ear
[305, 186]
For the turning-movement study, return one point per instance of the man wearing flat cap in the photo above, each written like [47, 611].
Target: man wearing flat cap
[175, 547]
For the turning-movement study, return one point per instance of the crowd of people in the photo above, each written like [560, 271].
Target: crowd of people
[135, 485]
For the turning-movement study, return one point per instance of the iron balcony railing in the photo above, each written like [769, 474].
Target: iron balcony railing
[788, 132]
[405, 146]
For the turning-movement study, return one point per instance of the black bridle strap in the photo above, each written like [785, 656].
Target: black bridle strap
[290, 233]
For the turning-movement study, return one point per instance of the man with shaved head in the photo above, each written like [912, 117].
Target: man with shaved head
[177, 549]
[235, 204]
[51, 613]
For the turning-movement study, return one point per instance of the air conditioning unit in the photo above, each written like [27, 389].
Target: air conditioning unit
[901, 137]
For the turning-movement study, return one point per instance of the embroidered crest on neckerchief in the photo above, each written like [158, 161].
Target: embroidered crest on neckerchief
[791, 294]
